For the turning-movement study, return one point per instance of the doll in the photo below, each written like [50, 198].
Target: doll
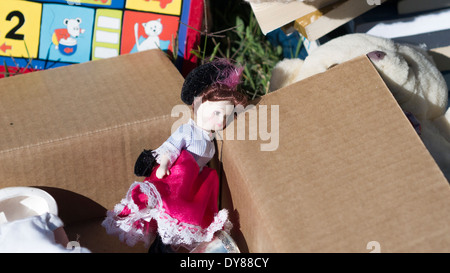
[176, 204]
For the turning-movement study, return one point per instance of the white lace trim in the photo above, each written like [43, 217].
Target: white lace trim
[172, 232]
[168, 150]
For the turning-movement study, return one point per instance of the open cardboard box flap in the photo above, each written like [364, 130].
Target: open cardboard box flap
[346, 168]
[76, 132]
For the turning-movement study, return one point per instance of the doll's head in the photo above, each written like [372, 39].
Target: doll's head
[212, 90]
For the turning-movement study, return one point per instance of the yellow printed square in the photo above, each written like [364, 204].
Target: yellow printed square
[172, 7]
[20, 23]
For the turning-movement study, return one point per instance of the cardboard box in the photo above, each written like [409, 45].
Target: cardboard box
[343, 167]
[273, 15]
[76, 131]
[320, 22]
[348, 173]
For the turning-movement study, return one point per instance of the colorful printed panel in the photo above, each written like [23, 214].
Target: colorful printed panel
[107, 31]
[143, 31]
[160, 6]
[66, 33]
[42, 34]
[19, 28]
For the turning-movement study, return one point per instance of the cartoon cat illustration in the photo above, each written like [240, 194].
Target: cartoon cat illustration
[152, 29]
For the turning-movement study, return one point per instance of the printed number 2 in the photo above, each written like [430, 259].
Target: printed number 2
[12, 33]
[374, 246]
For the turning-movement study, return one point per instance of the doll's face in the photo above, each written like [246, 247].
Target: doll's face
[212, 115]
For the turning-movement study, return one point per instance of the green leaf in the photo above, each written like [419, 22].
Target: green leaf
[240, 27]
[196, 53]
[6, 69]
[214, 53]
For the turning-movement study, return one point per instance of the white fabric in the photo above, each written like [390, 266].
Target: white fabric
[33, 235]
[433, 21]
[192, 138]
[171, 231]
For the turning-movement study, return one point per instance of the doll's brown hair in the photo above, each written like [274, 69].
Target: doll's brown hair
[219, 92]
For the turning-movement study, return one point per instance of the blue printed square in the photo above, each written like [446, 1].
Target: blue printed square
[66, 33]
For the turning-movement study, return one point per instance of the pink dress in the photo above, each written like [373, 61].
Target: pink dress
[181, 207]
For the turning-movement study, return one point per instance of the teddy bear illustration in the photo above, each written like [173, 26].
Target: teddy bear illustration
[65, 39]
[152, 29]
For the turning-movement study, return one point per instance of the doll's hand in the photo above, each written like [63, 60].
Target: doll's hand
[162, 171]
[163, 167]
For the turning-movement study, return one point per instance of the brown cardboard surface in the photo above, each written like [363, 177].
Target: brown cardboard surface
[79, 129]
[349, 170]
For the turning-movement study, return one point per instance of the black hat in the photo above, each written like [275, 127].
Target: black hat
[204, 76]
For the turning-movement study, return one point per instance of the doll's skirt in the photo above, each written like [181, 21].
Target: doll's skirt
[180, 207]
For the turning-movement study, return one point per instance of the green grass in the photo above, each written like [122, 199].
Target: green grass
[232, 32]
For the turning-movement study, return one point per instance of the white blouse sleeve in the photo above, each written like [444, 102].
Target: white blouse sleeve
[178, 141]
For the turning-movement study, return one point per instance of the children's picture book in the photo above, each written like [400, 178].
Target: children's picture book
[44, 34]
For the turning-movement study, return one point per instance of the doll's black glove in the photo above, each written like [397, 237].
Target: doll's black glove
[144, 164]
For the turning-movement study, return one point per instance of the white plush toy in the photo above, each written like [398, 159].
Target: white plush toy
[408, 71]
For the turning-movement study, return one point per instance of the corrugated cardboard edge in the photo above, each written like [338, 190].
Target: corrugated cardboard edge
[232, 199]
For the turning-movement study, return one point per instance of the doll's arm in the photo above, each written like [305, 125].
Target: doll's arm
[170, 150]
[167, 153]
[163, 168]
